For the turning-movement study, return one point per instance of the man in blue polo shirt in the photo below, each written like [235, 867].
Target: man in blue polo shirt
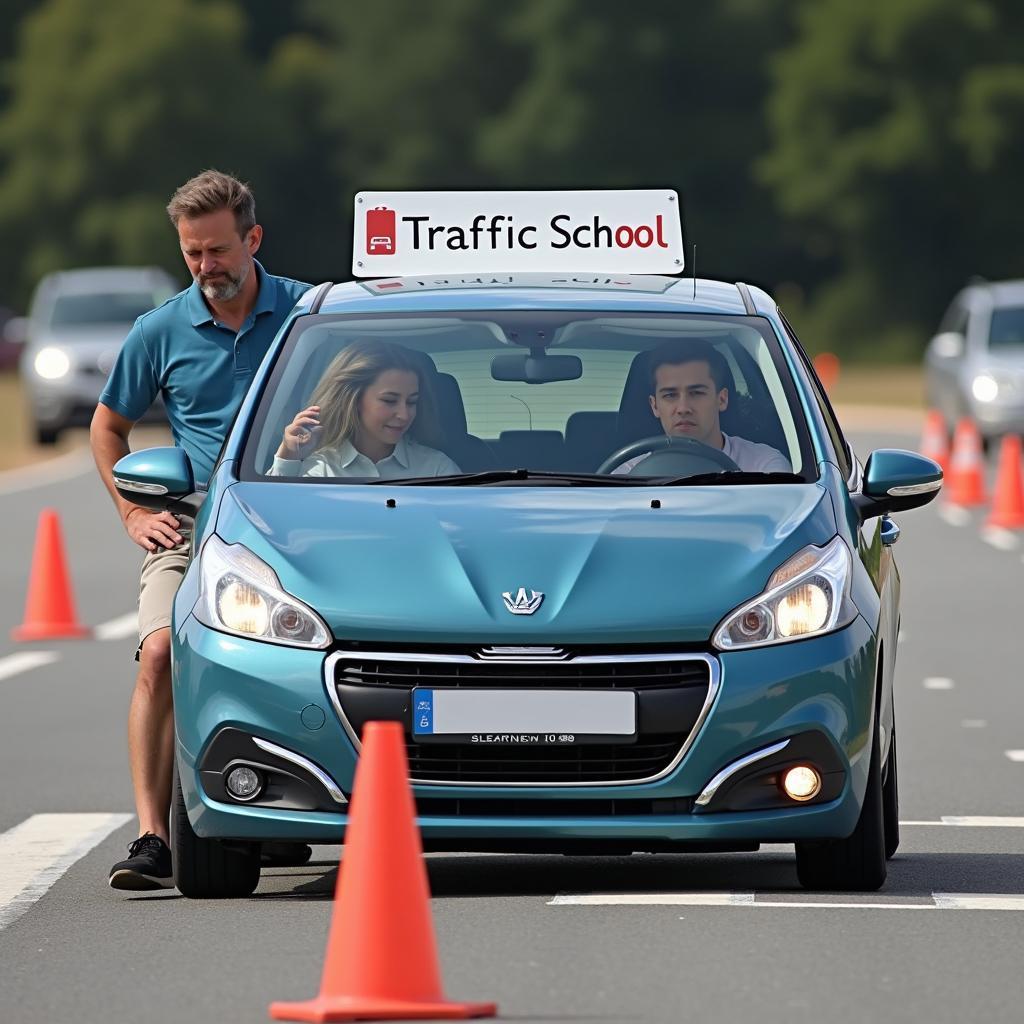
[199, 351]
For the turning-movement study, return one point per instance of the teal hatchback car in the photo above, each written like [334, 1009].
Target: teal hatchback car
[597, 542]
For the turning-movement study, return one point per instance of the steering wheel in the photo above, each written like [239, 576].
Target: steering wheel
[671, 456]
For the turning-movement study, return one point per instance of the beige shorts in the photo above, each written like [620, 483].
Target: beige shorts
[162, 571]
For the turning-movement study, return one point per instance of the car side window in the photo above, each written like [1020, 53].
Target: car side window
[842, 449]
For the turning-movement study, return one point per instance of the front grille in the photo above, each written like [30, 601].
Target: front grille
[624, 674]
[671, 699]
[454, 808]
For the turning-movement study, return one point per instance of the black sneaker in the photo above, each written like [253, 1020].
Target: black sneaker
[148, 865]
[285, 855]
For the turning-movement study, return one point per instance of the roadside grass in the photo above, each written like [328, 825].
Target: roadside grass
[879, 385]
[17, 447]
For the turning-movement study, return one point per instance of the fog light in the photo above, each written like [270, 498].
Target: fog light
[801, 783]
[243, 783]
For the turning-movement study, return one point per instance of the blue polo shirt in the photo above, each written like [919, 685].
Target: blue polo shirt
[201, 367]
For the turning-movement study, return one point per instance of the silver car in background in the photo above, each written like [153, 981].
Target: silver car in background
[974, 366]
[77, 321]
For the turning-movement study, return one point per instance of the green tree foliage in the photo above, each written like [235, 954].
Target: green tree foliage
[898, 138]
[113, 106]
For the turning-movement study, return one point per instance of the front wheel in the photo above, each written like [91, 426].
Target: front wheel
[209, 868]
[857, 863]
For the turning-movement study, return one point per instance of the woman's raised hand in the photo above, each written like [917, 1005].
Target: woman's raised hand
[301, 435]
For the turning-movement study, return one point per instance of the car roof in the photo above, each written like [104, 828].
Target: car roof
[90, 279]
[544, 291]
[1004, 293]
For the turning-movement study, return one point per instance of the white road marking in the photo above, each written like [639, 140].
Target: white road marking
[119, 628]
[954, 515]
[940, 901]
[13, 664]
[660, 899]
[977, 901]
[973, 723]
[983, 821]
[34, 854]
[63, 467]
[938, 683]
[1000, 539]
[1015, 755]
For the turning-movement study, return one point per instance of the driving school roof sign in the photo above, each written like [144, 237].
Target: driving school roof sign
[402, 233]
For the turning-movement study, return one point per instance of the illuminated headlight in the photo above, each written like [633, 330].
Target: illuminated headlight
[985, 388]
[805, 597]
[51, 363]
[241, 594]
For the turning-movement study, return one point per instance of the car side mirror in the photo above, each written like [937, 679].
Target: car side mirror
[158, 478]
[895, 481]
[948, 345]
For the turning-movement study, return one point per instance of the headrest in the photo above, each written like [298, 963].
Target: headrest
[451, 410]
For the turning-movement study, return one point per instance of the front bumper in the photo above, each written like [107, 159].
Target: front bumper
[821, 688]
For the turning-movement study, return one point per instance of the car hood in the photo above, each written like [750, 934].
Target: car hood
[612, 569]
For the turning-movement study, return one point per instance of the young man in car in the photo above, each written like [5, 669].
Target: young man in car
[199, 351]
[689, 391]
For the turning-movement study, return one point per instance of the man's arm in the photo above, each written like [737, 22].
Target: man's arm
[108, 435]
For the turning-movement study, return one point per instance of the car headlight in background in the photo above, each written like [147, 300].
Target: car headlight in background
[985, 387]
[805, 597]
[51, 363]
[240, 594]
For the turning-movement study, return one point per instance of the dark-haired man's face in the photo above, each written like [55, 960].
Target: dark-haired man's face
[217, 257]
[686, 402]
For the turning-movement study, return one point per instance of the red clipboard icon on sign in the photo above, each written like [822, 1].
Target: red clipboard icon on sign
[380, 232]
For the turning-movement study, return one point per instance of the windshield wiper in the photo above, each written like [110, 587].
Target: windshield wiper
[729, 476]
[501, 476]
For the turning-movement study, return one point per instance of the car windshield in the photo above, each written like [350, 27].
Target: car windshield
[1007, 327]
[102, 308]
[538, 397]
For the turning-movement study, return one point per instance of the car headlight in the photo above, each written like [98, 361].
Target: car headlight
[805, 597]
[985, 387]
[240, 594]
[51, 363]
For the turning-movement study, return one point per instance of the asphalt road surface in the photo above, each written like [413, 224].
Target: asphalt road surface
[645, 938]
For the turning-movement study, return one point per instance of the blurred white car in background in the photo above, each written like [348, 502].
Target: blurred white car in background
[76, 323]
[974, 366]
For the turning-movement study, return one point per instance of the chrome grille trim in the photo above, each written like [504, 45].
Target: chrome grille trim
[714, 683]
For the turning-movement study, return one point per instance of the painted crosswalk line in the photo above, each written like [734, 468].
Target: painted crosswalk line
[34, 854]
[768, 901]
[119, 628]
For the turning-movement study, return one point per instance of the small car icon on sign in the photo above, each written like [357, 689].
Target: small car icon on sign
[381, 243]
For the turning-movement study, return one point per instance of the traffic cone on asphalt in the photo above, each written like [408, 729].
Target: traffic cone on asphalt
[934, 440]
[381, 961]
[50, 607]
[966, 466]
[1008, 499]
[826, 365]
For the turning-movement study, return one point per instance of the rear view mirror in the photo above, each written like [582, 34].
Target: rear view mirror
[536, 368]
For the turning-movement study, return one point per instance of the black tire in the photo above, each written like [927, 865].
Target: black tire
[891, 802]
[47, 435]
[857, 863]
[209, 869]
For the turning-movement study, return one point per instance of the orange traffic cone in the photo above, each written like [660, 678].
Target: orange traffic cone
[50, 608]
[826, 365]
[381, 961]
[966, 466]
[1008, 499]
[934, 442]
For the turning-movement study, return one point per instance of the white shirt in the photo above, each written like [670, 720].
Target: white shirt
[750, 456]
[409, 459]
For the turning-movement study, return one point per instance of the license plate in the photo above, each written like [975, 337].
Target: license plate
[523, 717]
